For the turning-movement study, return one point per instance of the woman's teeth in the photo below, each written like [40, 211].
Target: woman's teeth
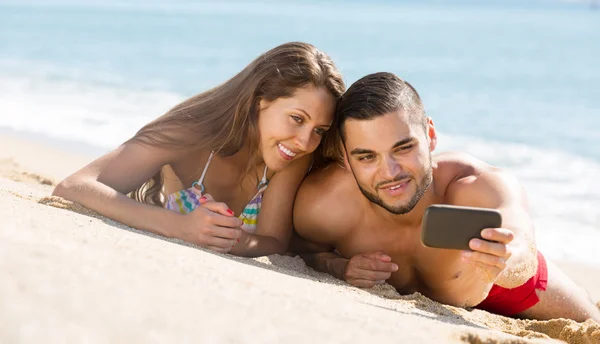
[286, 151]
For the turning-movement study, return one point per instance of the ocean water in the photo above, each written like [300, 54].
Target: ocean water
[514, 83]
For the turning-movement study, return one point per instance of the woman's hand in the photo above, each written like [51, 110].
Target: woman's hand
[212, 225]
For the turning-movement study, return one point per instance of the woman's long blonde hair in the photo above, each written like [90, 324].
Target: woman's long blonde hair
[224, 118]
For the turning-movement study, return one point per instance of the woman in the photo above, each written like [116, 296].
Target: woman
[247, 144]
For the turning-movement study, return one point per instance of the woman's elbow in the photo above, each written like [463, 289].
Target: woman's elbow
[65, 189]
[279, 247]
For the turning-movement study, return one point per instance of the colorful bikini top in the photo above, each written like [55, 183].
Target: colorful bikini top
[185, 201]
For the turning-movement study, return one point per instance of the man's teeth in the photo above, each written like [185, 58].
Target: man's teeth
[395, 187]
[286, 151]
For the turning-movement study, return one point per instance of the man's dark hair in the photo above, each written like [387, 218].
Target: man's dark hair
[376, 95]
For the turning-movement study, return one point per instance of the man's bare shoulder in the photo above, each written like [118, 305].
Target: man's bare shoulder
[328, 202]
[451, 167]
[331, 190]
[471, 181]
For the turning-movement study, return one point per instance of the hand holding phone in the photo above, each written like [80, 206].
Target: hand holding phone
[453, 227]
[476, 231]
[490, 255]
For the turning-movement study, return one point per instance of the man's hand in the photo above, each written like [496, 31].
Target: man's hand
[490, 257]
[368, 270]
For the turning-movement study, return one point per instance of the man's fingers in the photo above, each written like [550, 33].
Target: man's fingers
[379, 255]
[501, 235]
[493, 248]
[376, 265]
[372, 275]
[485, 259]
[488, 273]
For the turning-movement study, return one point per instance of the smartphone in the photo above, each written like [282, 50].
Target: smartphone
[452, 227]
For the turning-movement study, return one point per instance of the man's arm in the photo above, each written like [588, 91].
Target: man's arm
[362, 270]
[321, 219]
[315, 230]
[327, 262]
[500, 191]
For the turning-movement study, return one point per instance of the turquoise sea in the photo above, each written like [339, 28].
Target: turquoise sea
[516, 83]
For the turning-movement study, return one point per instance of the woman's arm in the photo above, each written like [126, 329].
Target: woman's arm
[103, 184]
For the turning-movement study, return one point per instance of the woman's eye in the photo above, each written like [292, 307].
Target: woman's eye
[297, 119]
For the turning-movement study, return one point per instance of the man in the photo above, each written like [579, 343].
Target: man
[369, 209]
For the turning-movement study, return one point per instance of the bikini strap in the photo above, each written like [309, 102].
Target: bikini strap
[199, 184]
[264, 180]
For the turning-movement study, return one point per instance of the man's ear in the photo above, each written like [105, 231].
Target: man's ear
[431, 134]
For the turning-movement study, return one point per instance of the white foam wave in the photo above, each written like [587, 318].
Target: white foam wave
[98, 115]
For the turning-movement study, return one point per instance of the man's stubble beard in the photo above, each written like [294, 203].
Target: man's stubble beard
[405, 208]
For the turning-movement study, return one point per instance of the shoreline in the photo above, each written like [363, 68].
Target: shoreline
[66, 147]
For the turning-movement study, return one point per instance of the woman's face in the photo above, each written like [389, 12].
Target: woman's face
[290, 128]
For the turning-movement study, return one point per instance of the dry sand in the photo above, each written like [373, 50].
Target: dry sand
[70, 276]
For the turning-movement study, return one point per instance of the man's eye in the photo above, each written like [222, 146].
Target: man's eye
[320, 131]
[366, 157]
[404, 148]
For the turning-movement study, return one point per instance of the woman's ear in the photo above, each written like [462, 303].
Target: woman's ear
[262, 104]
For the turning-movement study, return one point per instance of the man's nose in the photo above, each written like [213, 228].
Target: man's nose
[390, 168]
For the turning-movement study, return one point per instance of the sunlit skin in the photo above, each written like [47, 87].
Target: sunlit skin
[291, 128]
[394, 176]
[369, 210]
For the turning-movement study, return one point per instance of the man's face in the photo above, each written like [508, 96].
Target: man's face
[390, 159]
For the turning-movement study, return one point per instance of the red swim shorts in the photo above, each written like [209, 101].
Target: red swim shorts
[509, 302]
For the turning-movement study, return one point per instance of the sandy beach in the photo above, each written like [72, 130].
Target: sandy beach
[70, 276]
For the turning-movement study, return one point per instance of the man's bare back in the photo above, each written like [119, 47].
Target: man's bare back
[369, 208]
